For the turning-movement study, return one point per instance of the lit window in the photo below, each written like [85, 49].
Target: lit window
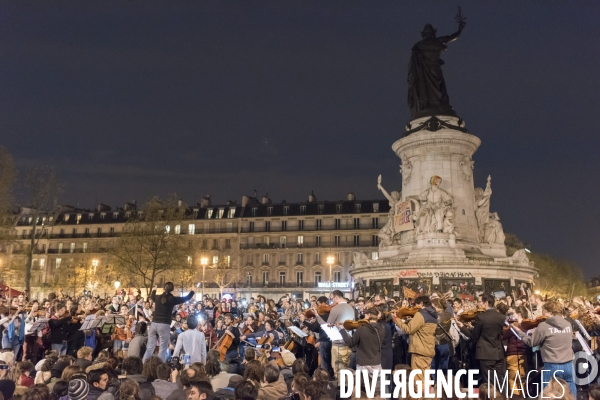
[167, 228]
[228, 260]
[231, 213]
[209, 213]
[266, 240]
[220, 213]
[282, 241]
[191, 229]
[177, 229]
[375, 207]
[78, 218]
[42, 263]
[66, 218]
[375, 255]
[215, 259]
[300, 240]
[84, 247]
[72, 248]
[60, 248]
[58, 263]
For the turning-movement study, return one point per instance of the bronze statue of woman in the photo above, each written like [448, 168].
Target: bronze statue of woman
[427, 93]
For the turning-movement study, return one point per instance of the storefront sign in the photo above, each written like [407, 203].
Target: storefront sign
[334, 284]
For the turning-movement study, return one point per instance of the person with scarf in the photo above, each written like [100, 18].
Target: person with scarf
[14, 332]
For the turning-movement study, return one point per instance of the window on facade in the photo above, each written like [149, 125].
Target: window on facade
[72, 248]
[317, 258]
[99, 231]
[269, 210]
[251, 227]
[375, 223]
[191, 229]
[319, 224]
[281, 277]
[337, 276]
[337, 240]
[115, 215]
[282, 241]
[265, 276]
[302, 209]
[254, 212]
[356, 223]
[87, 231]
[356, 240]
[42, 262]
[299, 277]
[84, 247]
[209, 213]
[266, 240]
[204, 243]
[220, 212]
[300, 241]
[375, 207]
[337, 257]
[284, 225]
[318, 241]
[338, 223]
[229, 227]
[301, 225]
[217, 227]
[66, 218]
[167, 229]
[74, 232]
[177, 229]
[282, 258]
[265, 259]
[249, 279]
[58, 263]
[299, 258]
[231, 212]
[60, 248]
[357, 208]
[215, 259]
[374, 240]
[317, 276]
[112, 229]
[267, 226]
[228, 260]
[375, 255]
[215, 244]
[321, 208]
[227, 243]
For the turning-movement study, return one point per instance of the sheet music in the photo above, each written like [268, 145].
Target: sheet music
[333, 333]
[297, 331]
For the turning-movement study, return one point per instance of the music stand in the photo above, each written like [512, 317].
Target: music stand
[88, 323]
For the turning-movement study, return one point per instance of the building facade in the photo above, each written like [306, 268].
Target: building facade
[276, 248]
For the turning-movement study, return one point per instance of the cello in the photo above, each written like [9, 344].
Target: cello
[225, 342]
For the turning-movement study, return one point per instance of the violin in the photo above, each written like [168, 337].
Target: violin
[469, 316]
[528, 324]
[324, 308]
[350, 324]
[404, 312]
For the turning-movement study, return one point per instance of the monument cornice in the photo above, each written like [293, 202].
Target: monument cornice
[446, 137]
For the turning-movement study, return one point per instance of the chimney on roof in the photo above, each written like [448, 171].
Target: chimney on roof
[311, 197]
[205, 202]
[102, 207]
[130, 206]
[265, 199]
[351, 197]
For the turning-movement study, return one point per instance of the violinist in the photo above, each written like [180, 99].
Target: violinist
[554, 337]
[367, 340]
[487, 334]
[516, 350]
[249, 327]
[205, 327]
[269, 331]
[323, 343]
[340, 352]
[234, 332]
[421, 330]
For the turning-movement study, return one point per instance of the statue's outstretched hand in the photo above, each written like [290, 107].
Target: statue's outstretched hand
[460, 19]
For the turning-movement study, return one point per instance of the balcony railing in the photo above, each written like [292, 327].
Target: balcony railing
[273, 228]
[254, 246]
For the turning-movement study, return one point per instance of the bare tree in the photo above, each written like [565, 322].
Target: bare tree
[43, 187]
[151, 243]
[223, 273]
[8, 175]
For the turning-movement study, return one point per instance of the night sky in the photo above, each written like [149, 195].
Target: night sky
[135, 99]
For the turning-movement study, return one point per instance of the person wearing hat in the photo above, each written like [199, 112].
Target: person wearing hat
[56, 372]
[78, 389]
[228, 391]
[288, 359]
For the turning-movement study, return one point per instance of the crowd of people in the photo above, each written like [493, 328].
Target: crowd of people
[169, 347]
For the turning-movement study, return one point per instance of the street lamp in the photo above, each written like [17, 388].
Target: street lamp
[330, 260]
[117, 285]
[204, 263]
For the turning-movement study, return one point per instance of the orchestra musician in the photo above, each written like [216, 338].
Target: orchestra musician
[323, 342]
[268, 331]
[554, 336]
[205, 327]
[421, 330]
[342, 311]
[233, 331]
[487, 334]
[367, 339]
[516, 350]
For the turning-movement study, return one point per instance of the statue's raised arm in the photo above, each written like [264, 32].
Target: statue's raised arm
[385, 193]
[462, 22]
